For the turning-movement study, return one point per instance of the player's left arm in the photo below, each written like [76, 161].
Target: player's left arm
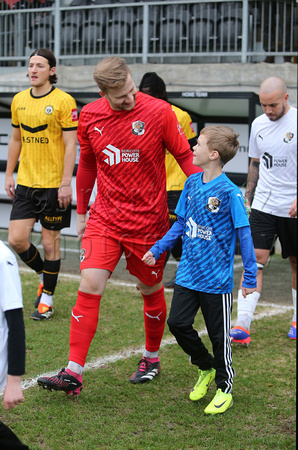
[16, 358]
[166, 243]
[65, 189]
[249, 283]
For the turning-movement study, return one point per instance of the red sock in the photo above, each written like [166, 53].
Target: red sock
[84, 319]
[155, 312]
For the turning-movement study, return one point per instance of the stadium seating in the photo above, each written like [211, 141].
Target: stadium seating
[42, 33]
[95, 26]
[202, 27]
[72, 23]
[153, 34]
[119, 32]
[230, 25]
[173, 26]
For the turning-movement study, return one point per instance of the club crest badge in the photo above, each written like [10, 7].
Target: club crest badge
[213, 204]
[82, 254]
[138, 128]
[289, 137]
[49, 109]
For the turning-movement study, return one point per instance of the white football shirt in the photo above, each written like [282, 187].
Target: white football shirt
[275, 145]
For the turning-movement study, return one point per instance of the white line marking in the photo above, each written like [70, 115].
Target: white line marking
[124, 354]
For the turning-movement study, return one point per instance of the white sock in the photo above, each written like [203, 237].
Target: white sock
[294, 296]
[246, 308]
[75, 367]
[41, 277]
[46, 299]
[147, 354]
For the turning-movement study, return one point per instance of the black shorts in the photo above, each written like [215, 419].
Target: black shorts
[41, 204]
[266, 228]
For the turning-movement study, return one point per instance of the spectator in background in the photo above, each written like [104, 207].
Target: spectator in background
[44, 124]
[12, 341]
[153, 85]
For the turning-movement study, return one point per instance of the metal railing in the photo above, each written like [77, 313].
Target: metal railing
[148, 31]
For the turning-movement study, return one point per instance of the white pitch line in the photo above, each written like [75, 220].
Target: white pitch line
[124, 354]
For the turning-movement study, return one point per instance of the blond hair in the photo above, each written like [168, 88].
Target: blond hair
[111, 73]
[223, 140]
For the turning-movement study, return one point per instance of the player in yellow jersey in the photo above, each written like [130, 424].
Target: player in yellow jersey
[153, 85]
[44, 140]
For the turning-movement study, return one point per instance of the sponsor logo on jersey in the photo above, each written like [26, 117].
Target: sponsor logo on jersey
[180, 130]
[115, 156]
[198, 231]
[138, 128]
[74, 115]
[49, 109]
[82, 254]
[267, 160]
[35, 140]
[213, 204]
[276, 161]
[130, 155]
[289, 137]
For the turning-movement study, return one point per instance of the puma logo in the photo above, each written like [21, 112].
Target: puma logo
[76, 317]
[99, 130]
[155, 273]
[153, 317]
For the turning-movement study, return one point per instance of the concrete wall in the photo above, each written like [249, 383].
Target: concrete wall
[178, 77]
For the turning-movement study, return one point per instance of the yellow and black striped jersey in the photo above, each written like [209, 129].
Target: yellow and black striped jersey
[41, 121]
[174, 174]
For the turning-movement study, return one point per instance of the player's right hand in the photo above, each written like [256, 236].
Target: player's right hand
[149, 259]
[247, 291]
[81, 225]
[10, 186]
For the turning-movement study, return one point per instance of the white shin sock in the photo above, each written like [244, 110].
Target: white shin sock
[75, 367]
[246, 308]
[294, 296]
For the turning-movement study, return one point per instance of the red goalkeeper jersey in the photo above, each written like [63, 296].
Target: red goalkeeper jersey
[125, 150]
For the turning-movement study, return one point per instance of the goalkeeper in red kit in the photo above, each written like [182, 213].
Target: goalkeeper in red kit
[123, 137]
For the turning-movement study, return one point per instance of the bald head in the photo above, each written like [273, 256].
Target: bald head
[274, 98]
[272, 84]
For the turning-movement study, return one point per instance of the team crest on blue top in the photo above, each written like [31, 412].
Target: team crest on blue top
[289, 137]
[213, 204]
[138, 128]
